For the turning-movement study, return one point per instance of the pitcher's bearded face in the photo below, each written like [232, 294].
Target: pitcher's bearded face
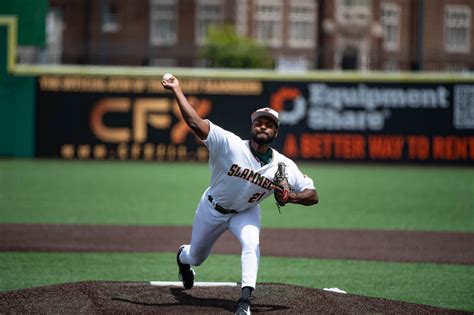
[264, 130]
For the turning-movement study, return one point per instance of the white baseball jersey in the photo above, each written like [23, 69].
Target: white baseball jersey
[239, 183]
[238, 180]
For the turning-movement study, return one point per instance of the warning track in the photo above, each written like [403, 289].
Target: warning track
[397, 246]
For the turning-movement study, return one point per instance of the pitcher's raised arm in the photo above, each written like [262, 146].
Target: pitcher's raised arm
[198, 125]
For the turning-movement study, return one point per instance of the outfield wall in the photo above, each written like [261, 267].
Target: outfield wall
[101, 113]
[100, 117]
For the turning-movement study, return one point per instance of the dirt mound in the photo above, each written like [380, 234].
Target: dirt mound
[94, 297]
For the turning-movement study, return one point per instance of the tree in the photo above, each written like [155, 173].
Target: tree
[225, 49]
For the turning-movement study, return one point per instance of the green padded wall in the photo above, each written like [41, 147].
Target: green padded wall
[16, 109]
[31, 19]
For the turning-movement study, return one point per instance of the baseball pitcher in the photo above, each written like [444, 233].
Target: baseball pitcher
[243, 174]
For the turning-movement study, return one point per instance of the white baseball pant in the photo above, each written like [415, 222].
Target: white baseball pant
[209, 224]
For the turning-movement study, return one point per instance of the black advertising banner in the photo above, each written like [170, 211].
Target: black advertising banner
[135, 118]
[375, 122]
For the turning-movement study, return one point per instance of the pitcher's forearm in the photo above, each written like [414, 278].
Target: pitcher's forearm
[307, 197]
[199, 126]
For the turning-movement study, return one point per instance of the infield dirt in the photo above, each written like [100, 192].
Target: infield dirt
[397, 246]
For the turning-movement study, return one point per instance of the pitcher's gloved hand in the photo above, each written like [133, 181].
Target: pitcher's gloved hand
[281, 186]
[282, 195]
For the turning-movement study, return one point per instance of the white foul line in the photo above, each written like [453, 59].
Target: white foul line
[196, 284]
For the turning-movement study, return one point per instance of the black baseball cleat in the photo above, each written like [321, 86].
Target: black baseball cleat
[243, 307]
[186, 273]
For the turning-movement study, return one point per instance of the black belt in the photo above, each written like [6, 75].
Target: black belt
[219, 208]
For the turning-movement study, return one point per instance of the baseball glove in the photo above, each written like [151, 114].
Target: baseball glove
[281, 186]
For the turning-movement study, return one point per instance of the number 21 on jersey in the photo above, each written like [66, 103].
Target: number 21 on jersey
[256, 197]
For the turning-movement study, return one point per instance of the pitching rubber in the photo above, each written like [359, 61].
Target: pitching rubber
[196, 284]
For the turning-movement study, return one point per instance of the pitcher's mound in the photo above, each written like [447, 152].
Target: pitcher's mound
[93, 297]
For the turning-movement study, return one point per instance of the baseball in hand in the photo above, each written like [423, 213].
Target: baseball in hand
[167, 76]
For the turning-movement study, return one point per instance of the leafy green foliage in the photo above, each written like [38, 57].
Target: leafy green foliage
[226, 49]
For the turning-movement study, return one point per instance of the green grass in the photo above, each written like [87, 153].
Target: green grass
[160, 193]
[447, 286]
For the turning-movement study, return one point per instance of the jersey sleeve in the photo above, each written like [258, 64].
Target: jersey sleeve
[297, 180]
[217, 139]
